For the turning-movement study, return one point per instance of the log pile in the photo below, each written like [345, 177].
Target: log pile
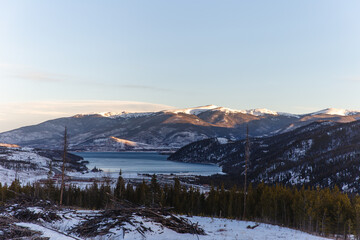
[177, 224]
[17, 210]
[9, 230]
[20, 205]
[29, 216]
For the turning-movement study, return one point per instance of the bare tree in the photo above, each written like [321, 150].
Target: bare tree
[63, 167]
[247, 157]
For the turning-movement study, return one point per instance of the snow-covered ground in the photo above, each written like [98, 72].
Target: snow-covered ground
[24, 164]
[29, 165]
[46, 232]
[215, 229]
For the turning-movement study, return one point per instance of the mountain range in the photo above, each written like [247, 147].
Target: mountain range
[164, 130]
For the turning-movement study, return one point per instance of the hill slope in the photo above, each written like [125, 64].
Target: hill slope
[29, 165]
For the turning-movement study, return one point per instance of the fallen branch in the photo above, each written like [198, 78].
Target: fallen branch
[253, 227]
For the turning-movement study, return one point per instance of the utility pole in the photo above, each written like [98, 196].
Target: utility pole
[247, 157]
[63, 167]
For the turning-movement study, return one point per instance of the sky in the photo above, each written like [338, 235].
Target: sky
[288, 56]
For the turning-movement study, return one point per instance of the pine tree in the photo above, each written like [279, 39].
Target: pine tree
[154, 189]
[130, 192]
[120, 187]
[177, 194]
[49, 182]
[63, 166]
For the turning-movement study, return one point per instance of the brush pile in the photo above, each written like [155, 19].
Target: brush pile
[125, 215]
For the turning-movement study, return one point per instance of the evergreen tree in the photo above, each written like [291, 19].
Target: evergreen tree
[154, 190]
[119, 190]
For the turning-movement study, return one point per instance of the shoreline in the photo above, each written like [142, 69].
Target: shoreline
[112, 166]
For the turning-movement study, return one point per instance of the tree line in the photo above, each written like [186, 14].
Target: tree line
[326, 211]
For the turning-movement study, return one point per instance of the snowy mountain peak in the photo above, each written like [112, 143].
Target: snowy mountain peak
[336, 111]
[198, 110]
[111, 114]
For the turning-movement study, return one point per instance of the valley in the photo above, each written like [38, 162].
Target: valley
[288, 153]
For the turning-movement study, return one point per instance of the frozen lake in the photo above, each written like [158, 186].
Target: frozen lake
[144, 162]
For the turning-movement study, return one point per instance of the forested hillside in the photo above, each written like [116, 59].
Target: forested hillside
[321, 154]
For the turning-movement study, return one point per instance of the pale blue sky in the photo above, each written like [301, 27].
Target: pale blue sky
[289, 56]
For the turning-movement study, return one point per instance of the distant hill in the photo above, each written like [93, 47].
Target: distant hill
[165, 129]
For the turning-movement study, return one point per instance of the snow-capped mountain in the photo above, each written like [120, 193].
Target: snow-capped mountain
[168, 129]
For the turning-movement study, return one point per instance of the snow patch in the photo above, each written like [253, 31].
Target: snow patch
[222, 140]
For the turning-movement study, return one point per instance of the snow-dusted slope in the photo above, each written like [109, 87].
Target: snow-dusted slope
[13, 166]
[117, 114]
[336, 111]
[126, 114]
[198, 110]
[195, 110]
[29, 165]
